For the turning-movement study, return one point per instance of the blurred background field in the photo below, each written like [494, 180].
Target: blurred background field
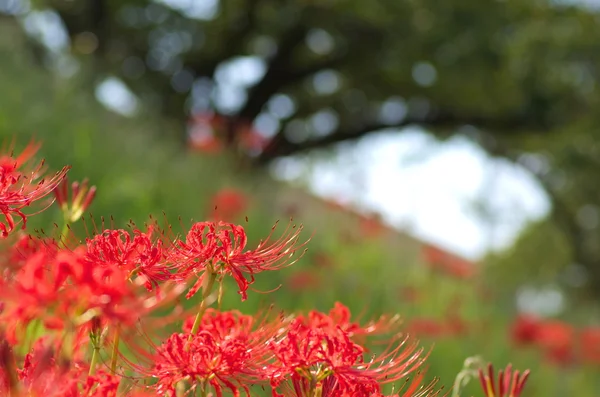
[273, 111]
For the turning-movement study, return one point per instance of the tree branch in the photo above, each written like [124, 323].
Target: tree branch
[281, 146]
[277, 74]
[234, 42]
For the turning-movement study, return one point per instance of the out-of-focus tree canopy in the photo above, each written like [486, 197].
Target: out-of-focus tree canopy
[519, 77]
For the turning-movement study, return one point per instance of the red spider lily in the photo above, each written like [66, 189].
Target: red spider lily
[556, 338]
[268, 255]
[81, 197]
[44, 374]
[510, 383]
[413, 388]
[17, 248]
[590, 345]
[202, 132]
[20, 187]
[140, 256]
[250, 139]
[371, 226]
[222, 323]
[59, 287]
[448, 263]
[525, 329]
[35, 288]
[41, 374]
[228, 204]
[220, 248]
[194, 255]
[229, 351]
[339, 318]
[317, 354]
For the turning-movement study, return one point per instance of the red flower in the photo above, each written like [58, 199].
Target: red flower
[268, 255]
[250, 140]
[371, 226]
[60, 287]
[556, 338]
[339, 317]
[525, 329]
[194, 255]
[140, 256]
[81, 198]
[202, 133]
[220, 248]
[317, 352]
[510, 384]
[228, 204]
[230, 350]
[44, 373]
[590, 345]
[15, 250]
[448, 263]
[18, 186]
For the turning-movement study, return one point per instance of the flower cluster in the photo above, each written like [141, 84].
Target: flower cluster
[75, 314]
[559, 342]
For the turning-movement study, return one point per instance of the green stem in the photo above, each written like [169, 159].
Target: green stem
[204, 388]
[220, 298]
[318, 391]
[206, 290]
[180, 389]
[62, 237]
[94, 361]
[313, 389]
[115, 352]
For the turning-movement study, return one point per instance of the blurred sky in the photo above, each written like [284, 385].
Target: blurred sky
[450, 193]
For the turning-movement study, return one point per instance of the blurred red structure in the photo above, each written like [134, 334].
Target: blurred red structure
[524, 330]
[589, 345]
[202, 132]
[229, 204]
[439, 259]
[556, 339]
[207, 132]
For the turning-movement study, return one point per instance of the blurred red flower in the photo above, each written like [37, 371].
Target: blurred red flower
[589, 340]
[202, 133]
[450, 264]
[22, 183]
[556, 338]
[251, 139]
[525, 329]
[229, 204]
[371, 226]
